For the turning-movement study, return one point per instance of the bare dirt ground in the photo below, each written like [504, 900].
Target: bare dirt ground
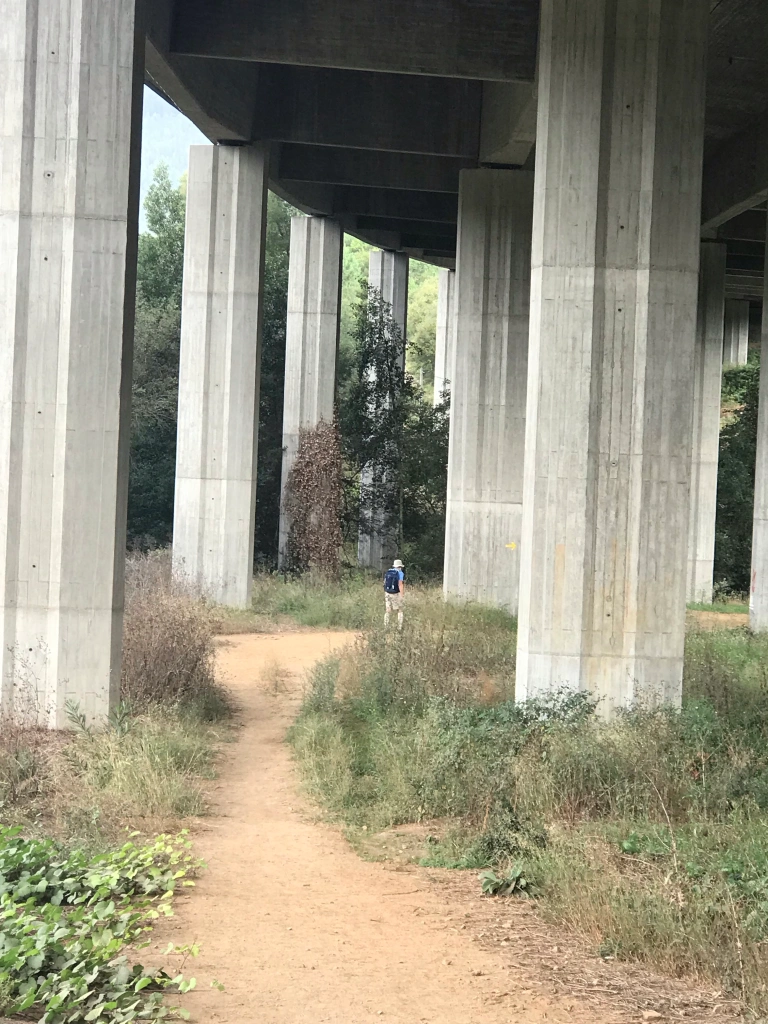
[300, 930]
[717, 620]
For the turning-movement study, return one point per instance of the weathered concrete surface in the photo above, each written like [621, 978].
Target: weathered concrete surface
[70, 125]
[312, 337]
[445, 339]
[219, 372]
[613, 325]
[487, 442]
[758, 597]
[481, 40]
[377, 546]
[707, 384]
[736, 339]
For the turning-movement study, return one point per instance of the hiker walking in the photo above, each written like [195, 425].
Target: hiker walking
[394, 592]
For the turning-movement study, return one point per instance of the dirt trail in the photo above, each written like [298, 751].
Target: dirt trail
[300, 930]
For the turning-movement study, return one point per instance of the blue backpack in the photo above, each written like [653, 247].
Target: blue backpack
[392, 581]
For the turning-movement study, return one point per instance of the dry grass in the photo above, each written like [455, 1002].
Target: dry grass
[146, 768]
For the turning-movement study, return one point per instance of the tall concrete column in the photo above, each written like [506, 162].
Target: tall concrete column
[312, 337]
[487, 440]
[219, 371]
[758, 596]
[736, 346]
[707, 383]
[445, 340]
[388, 274]
[70, 123]
[613, 325]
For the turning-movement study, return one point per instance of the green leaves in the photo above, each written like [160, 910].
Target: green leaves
[65, 920]
[512, 883]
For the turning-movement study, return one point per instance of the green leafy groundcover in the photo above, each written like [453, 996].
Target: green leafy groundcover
[67, 920]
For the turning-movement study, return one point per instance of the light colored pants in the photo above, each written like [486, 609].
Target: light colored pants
[393, 603]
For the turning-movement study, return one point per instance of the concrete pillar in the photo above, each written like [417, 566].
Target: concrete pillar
[758, 596]
[445, 340]
[707, 383]
[613, 325]
[377, 544]
[70, 124]
[388, 273]
[312, 336]
[736, 345]
[219, 371]
[487, 442]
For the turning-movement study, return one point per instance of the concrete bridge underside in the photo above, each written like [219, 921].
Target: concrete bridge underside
[592, 178]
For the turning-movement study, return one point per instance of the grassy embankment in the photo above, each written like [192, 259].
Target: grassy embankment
[76, 902]
[647, 835]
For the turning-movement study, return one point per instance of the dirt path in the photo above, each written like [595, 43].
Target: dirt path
[301, 931]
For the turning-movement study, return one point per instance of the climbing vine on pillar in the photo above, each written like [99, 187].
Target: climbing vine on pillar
[314, 502]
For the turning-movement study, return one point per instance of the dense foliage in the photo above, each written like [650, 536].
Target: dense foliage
[68, 920]
[395, 444]
[736, 478]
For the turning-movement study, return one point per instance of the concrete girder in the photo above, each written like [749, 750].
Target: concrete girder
[371, 169]
[396, 204]
[480, 39]
[362, 110]
[736, 176]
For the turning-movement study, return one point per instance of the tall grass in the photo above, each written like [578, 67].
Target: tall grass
[145, 767]
[648, 834]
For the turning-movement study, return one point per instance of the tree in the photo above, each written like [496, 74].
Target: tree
[161, 248]
[736, 479]
[156, 365]
[395, 445]
[275, 308]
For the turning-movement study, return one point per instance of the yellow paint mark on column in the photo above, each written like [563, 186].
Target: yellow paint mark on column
[512, 547]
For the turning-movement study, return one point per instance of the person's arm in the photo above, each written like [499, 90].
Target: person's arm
[402, 584]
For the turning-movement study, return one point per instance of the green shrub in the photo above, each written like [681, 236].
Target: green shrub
[646, 833]
[67, 921]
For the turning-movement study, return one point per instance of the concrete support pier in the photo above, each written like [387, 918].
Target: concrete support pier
[758, 596]
[487, 442]
[219, 372]
[312, 337]
[388, 273]
[707, 384]
[613, 327]
[70, 123]
[445, 340]
[736, 346]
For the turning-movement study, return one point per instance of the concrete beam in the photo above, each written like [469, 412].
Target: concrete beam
[479, 39]
[217, 97]
[508, 128]
[736, 176]
[424, 229]
[395, 204]
[360, 110]
[747, 227]
[370, 169]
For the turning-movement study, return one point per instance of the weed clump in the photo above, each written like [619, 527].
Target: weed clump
[168, 643]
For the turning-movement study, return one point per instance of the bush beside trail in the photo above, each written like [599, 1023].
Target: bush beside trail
[646, 834]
